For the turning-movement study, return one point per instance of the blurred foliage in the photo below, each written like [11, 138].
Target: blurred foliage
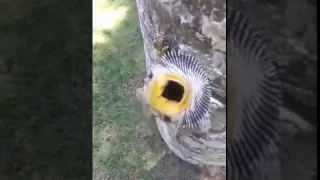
[45, 89]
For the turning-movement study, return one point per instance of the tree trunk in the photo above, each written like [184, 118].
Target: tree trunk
[200, 28]
[199, 31]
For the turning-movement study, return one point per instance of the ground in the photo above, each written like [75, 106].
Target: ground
[124, 144]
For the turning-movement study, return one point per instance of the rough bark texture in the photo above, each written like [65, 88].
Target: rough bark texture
[200, 28]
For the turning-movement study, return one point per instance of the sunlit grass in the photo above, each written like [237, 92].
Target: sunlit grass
[104, 19]
[108, 18]
[99, 37]
[117, 61]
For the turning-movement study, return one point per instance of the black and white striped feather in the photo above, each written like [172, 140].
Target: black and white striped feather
[255, 69]
[176, 61]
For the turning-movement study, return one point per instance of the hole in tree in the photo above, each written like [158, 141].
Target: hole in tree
[173, 91]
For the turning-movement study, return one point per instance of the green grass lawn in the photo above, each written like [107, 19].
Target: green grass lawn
[118, 62]
[124, 146]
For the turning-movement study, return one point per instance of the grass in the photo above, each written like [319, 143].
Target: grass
[117, 64]
[124, 146]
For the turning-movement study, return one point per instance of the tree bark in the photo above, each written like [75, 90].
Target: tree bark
[199, 31]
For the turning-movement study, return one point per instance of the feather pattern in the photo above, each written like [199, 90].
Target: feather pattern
[255, 69]
[176, 61]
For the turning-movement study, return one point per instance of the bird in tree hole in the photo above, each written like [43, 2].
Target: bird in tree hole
[177, 88]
